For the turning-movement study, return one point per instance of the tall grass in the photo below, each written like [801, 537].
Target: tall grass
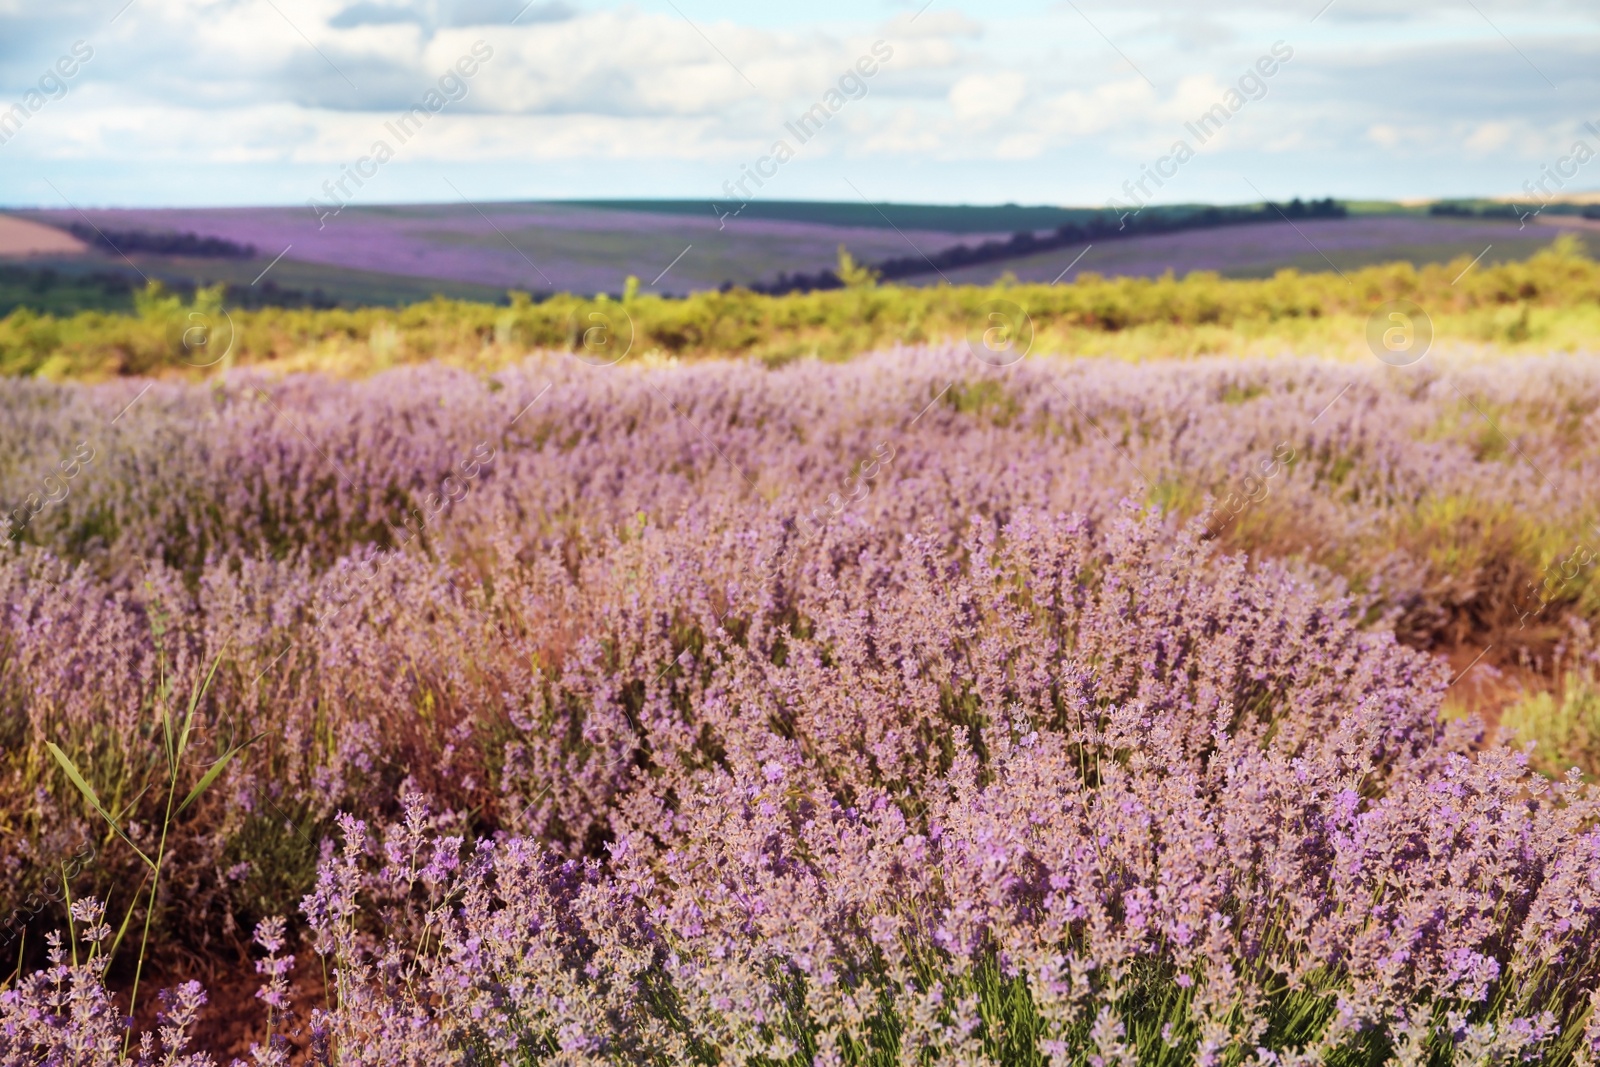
[176, 735]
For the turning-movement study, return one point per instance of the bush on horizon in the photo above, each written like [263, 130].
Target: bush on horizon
[1551, 298]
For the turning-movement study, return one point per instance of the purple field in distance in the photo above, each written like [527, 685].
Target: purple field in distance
[532, 246]
[544, 247]
[1261, 249]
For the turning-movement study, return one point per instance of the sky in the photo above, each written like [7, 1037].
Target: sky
[1071, 102]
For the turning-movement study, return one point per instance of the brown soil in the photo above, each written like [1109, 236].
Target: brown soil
[233, 1018]
[19, 237]
[1485, 687]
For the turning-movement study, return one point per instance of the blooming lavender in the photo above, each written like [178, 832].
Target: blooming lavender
[655, 746]
[63, 1016]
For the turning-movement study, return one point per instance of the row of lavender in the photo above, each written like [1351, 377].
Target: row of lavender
[1440, 494]
[775, 715]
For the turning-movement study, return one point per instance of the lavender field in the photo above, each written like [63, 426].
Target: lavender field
[396, 253]
[1310, 245]
[710, 534]
[899, 710]
[537, 247]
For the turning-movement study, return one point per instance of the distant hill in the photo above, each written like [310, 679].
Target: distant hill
[961, 219]
[1102, 226]
[398, 254]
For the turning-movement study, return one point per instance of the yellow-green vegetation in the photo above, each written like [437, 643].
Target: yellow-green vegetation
[1550, 301]
[1565, 726]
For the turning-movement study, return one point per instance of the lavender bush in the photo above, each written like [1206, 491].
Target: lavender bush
[887, 712]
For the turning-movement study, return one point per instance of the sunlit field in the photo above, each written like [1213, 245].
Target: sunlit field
[1123, 671]
[1543, 304]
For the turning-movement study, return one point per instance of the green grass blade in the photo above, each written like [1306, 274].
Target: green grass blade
[167, 744]
[89, 794]
[22, 948]
[77, 779]
[211, 774]
[130, 805]
[66, 898]
[194, 702]
[127, 918]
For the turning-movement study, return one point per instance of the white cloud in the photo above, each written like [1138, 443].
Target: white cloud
[1488, 137]
[236, 84]
[1105, 107]
[905, 131]
[1384, 134]
[1021, 146]
[982, 98]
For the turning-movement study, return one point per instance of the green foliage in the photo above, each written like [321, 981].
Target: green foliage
[58, 291]
[275, 855]
[1549, 299]
[854, 275]
[1151, 1018]
[1564, 728]
[986, 398]
[175, 736]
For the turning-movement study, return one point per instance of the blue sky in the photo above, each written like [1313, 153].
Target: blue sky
[217, 102]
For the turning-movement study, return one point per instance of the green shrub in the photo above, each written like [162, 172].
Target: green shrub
[1565, 728]
[1540, 300]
